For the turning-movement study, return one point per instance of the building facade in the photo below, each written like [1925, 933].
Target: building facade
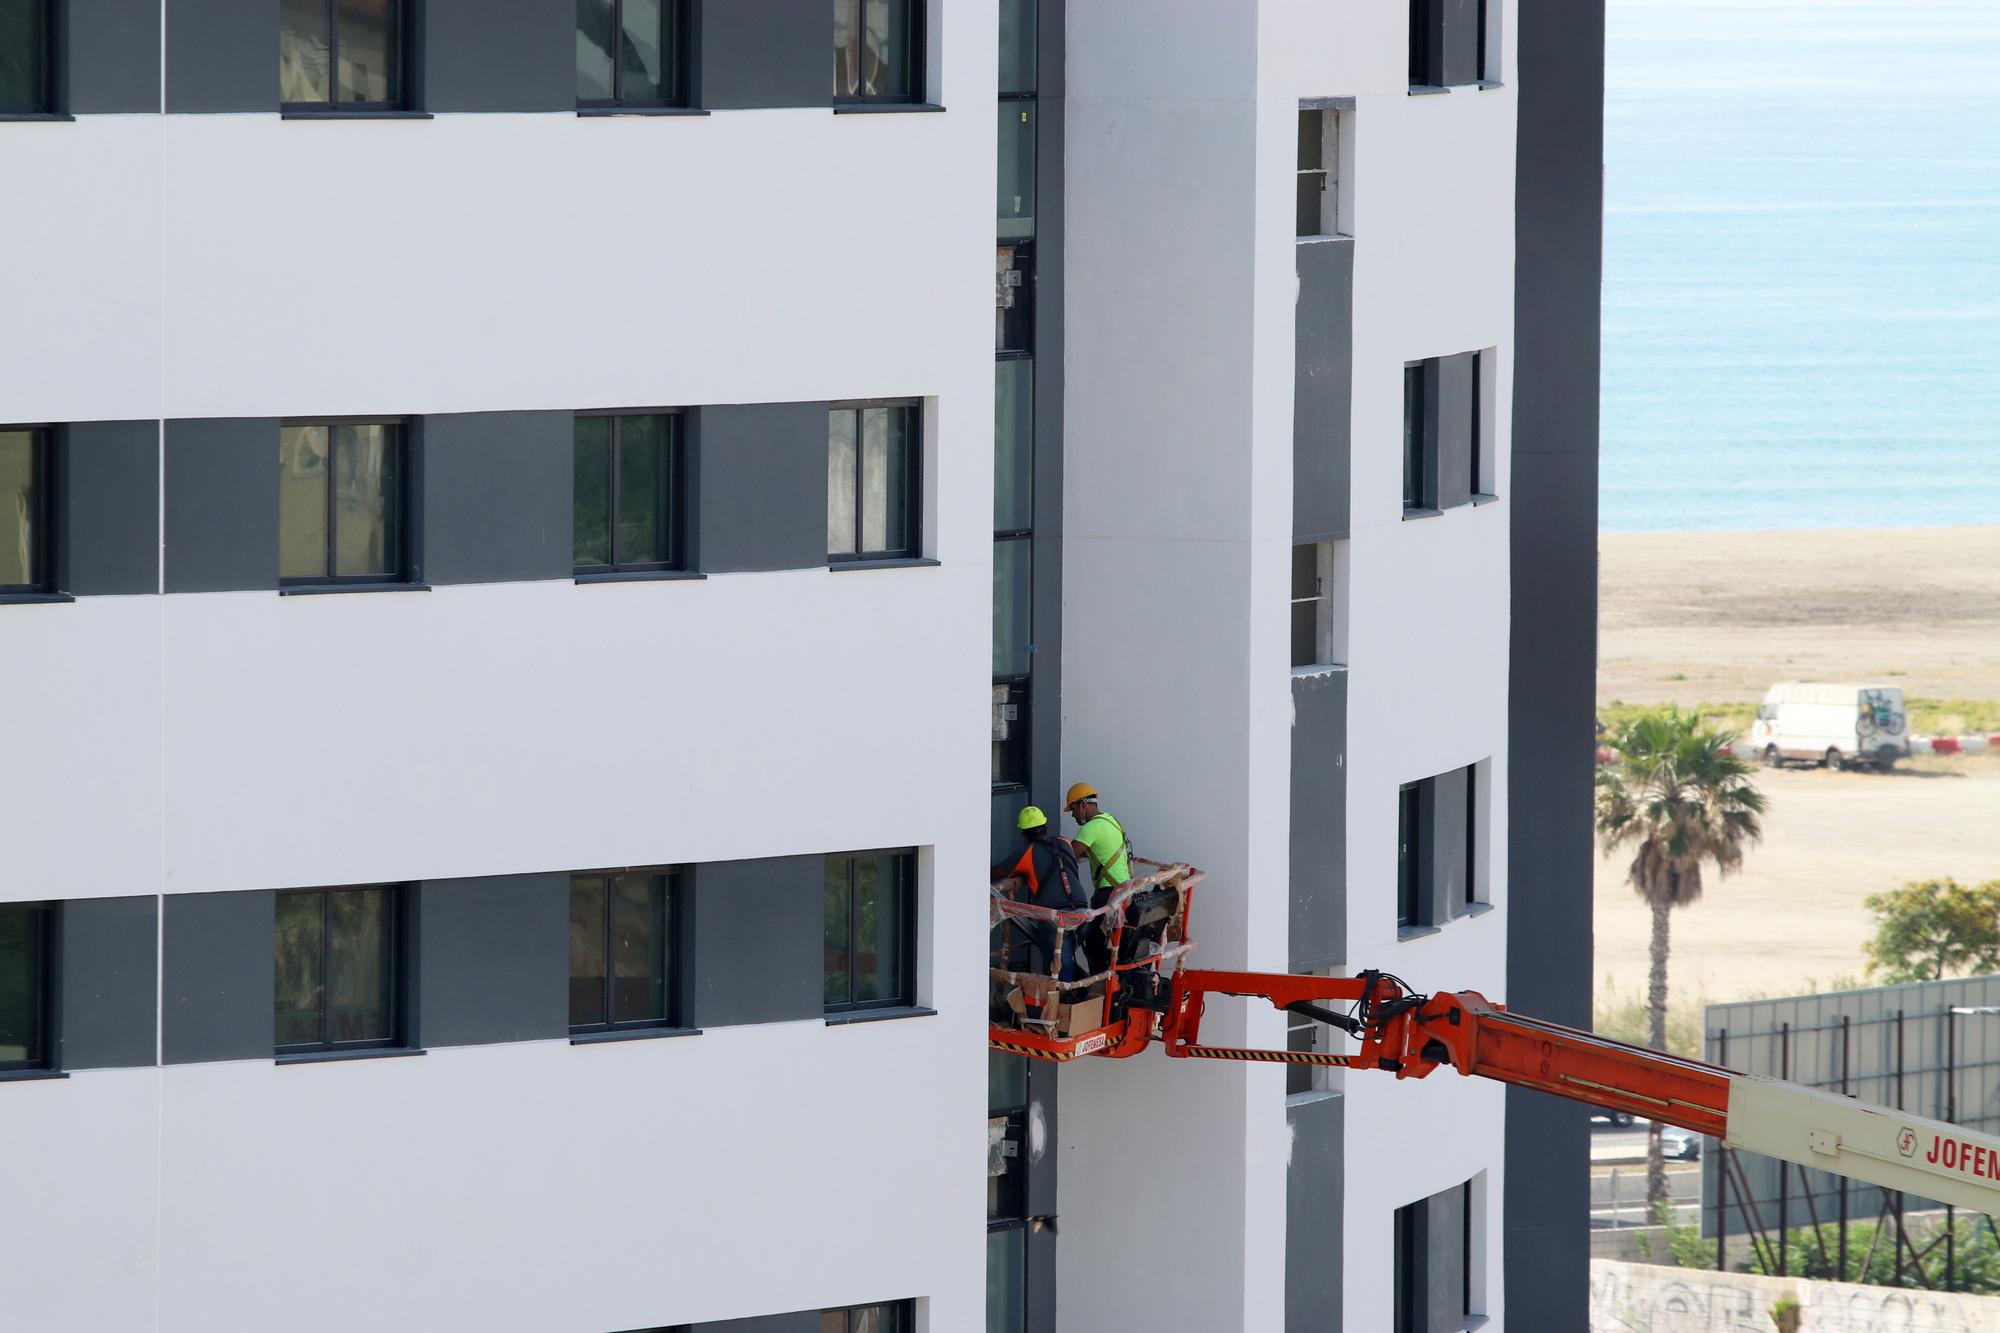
[472, 855]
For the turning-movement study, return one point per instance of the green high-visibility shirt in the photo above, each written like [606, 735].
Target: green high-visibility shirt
[1105, 839]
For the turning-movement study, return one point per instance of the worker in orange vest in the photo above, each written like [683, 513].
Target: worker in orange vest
[1048, 875]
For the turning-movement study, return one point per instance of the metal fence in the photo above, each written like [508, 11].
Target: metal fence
[1929, 1047]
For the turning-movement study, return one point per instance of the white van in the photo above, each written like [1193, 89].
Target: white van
[1840, 726]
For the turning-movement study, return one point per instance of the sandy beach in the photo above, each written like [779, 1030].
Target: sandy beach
[1718, 617]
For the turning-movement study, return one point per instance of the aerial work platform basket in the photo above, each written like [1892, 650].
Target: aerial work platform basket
[1121, 959]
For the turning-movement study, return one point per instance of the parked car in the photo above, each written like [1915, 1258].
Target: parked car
[1679, 1145]
[1837, 726]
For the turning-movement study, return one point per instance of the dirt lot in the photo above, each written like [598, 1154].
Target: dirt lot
[1793, 918]
[1720, 616]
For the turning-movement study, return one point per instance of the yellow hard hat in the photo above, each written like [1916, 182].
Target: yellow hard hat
[1082, 791]
[1031, 817]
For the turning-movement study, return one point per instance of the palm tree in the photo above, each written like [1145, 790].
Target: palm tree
[1677, 796]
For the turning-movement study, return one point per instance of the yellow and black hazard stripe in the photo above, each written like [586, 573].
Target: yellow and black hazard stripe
[1032, 1052]
[1268, 1057]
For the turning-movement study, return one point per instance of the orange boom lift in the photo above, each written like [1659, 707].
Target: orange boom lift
[1141, 994]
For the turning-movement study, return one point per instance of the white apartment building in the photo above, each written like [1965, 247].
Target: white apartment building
[472, 855]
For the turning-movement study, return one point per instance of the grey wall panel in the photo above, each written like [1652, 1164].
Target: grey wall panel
[219, 951]
[759, 480]
[108, 973]
[1315, 1193]
[1447, 833]
[499, 55]
[767, 54]
[222, 55]
[495, 959]
[1559, 152]
[222, 504]
[497, 496]
[1452, 414]
[1319, 821]
[803, 1321]
[1459, 47]
[1444, 1267]
[111, 56]
[109, 490]
[757, 941]
[1323, 391]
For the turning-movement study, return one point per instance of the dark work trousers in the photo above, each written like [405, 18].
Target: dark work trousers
[1035, 944]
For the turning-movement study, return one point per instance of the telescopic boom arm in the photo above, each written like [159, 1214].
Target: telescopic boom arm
[1409, 1035]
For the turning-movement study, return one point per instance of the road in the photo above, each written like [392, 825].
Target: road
[1618, 1179]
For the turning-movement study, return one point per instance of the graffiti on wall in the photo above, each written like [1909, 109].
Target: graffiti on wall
[1645, 1298]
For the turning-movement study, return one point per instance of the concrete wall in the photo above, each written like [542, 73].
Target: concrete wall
[243, 266]
[1626, 1296]
[1180, 366]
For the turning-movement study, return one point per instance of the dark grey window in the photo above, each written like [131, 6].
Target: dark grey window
[1014, 205]
[24, 57]
[1424, 18]
[622, 950]
[1010, 733]
[24, 509]
[895, 1317]
[24, 987]
[872, 492]
[878, 50]
[870, 931]
[1419, 441]
[1433, 1262]
[630, 506]
[631, 53]
[341, 54]
[1014, 297]
[1409, 855]
[340, 969]
[342, 503]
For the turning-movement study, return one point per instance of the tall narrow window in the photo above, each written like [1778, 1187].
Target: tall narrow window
[1409, 855]
[1424, 18]
[872, 496]
[1409, 1268]
[24, 467]
[339, 969]
[341, 54]
[1419, 481]
[1471, 834]
[870, 931]
[631, 53]
[24, 987]
[1310, 580]
[341, 510]
[878, 50]
[629, 506]
[24, 57]
[621, 951]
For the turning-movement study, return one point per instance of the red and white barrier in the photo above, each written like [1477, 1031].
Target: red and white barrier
[1956, 744]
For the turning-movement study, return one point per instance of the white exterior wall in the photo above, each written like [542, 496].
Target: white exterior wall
[226, 265]
[1180, 292]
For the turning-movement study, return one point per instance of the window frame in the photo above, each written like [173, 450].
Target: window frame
[1419, 438]
[44, 1058]
[672, 956]
[1410, 840]
[913, 498]
[676, 501]
[41, 512]
[674, 22]
[905, 860]
[405, 99]
[917, 67]
[403, 573]
[397, 916]
[44, 103]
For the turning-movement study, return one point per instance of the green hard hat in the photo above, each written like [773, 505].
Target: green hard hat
[1031, 817]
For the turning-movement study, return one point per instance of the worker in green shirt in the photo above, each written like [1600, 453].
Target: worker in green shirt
[1102, 838]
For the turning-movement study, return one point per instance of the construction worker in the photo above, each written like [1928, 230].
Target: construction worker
[1050, 876]
[1102, 838]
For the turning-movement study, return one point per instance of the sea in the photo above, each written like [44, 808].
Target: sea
[1801, 265]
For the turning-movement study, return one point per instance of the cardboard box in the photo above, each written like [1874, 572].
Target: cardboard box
[1073, 1020]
